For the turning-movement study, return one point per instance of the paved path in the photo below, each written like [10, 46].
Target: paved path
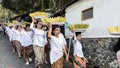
[8, 59]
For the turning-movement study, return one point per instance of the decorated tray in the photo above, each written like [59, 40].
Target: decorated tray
[79, 30]
[55, 23]
[114, 33]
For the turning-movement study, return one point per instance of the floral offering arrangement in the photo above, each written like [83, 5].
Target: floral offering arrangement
[12, 23]
[78, 27]
[55, 20]
[38, 14]
[114, 29]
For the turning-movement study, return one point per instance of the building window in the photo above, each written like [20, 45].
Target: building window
[87, 14]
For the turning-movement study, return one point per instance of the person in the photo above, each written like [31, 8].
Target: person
[18, 39]
[27, 43]
[1, 29]
[117, 51]
[12, 37]
[57, 47]
[45, 53]
[39, 41]
[7, 31]
[4, 29]
[46, 48]
[79, 59]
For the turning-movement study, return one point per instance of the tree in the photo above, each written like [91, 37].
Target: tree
[26, 6]
[23, 6]
[5, 14]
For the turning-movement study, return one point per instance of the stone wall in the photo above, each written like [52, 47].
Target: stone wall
[100, 52]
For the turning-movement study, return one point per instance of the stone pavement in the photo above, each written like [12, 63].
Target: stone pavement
[8, 59]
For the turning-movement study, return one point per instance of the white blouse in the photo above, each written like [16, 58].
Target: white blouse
[18, 35]
[27, 38]
[7, 29]
[65, 43]
[78, 48]
[57, 45]
[13, 34]
[10, 34]
[39, 36]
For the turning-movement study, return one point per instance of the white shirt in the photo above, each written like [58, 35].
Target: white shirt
[57, 45]
[39, 36]
[7, 29]
[13, 34]
[65, 43]
[9, 32]
[18, 35]
[78, 48]
[27, 38]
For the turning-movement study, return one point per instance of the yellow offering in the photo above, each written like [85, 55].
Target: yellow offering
[78, 26]
[38, 14]
[113, 29]
[12, 23]
[55, 20]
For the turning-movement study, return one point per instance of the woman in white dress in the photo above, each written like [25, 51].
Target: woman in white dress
[39, 41]
[27, 43]
[57, 45]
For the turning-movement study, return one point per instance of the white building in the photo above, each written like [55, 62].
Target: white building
[100, 15]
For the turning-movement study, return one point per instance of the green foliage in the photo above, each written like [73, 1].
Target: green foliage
[5, 14]
[26, 6]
